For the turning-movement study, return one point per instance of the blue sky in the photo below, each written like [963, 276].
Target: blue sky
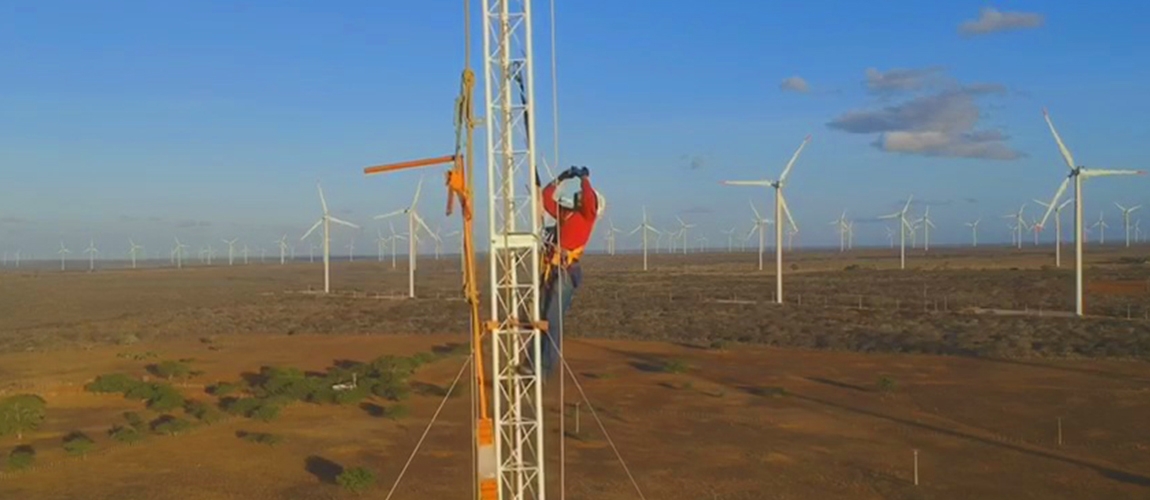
[133, 118]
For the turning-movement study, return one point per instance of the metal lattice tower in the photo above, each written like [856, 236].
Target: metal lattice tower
[512, 198]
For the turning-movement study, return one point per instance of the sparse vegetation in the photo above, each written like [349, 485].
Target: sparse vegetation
[171, 369]
[170, 425]
[885, 384]
[674, 366]
[260, 438]
[222, 389]
[356, 479]
[78, 444]
[395, 412]
[203, 412]
[22, 457]
[21, 413]
[112, 382]
[126, 434]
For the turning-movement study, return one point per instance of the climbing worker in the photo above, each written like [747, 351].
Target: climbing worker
[563, 246]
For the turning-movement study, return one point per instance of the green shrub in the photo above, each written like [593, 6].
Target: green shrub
[112, 382]
[78, 444]
[171, 369]
[674, 366]
[21, 413]
[203, 412]
[352, 396]
[265, 412]
[261, 438]
[22, 457]
[356, 479]
[395, 412]
[135, 421]
[392, 390]
[129, 435]
[165, 398]
[170, 425]
[222, 389]
[885, 384]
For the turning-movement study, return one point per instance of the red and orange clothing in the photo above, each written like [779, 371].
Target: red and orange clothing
[575, 226]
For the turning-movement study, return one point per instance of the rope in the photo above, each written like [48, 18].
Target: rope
[562, 379]
[427, 429]
[602, 429]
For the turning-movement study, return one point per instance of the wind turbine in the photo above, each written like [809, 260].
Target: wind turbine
[889, 235]
[282, 242]
[611, 232]
[974, 231]
[683, 227]
[91, 251]
[903, 226]
[351, 250]
[1126, 219]
[380, 241]
[63, 251]
[414, 222]
[1101, 225]
[18, 256]
[1077, 173]
[1137, 238]
[850, 227]
[133, 251]
[393, 238]
[759, 223]
[1019, 224]
[231, 248]
[325, 220]
[730, 238]
[178, 254]
[926, 225]
[245, 251]
[780, 209]
[646, 227]
[841, 225]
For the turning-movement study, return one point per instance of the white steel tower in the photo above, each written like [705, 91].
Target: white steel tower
[514, 236]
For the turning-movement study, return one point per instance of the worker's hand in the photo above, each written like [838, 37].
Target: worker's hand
[570, 173]
[583, 172]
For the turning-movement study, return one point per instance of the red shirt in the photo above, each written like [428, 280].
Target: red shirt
[575, 226]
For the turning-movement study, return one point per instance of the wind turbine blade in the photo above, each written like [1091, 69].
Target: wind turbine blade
[1040, 202]
[1061, 147]
[786, 209]
[907, 206]
[755, 210]
[313, 228]
[390, 214]
[681, 223]
[418, 188]
[633, 231]
[890, 216]
[1089, 172]
[424, 226]
[1054, 201]
[763, 183]
[790, 164]
[322, 200]
[343, 222]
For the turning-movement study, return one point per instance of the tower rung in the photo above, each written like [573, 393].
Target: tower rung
[514, 241]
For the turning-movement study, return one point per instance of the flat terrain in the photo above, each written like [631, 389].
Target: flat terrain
[707, 389]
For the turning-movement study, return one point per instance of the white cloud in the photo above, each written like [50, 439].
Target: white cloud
[795, 84]
[940, 124]
[991, 20]
[901, 79]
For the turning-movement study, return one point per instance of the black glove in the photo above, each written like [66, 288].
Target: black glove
[570, 173]
[583, 172]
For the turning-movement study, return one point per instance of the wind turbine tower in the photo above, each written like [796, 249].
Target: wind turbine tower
[91, 251]
[1126, 219]
[974, 231]
[903, 226]
[133, 251]
[780, 210]
[325, 220]
[1077, 173]
[646, 227]
[414, 223]
[63, 251]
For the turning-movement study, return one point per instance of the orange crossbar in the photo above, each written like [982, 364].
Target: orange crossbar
[379, 169]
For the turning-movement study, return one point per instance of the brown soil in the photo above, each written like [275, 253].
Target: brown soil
[745, 420]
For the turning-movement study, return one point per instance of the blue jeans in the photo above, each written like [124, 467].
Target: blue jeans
[558, 291]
